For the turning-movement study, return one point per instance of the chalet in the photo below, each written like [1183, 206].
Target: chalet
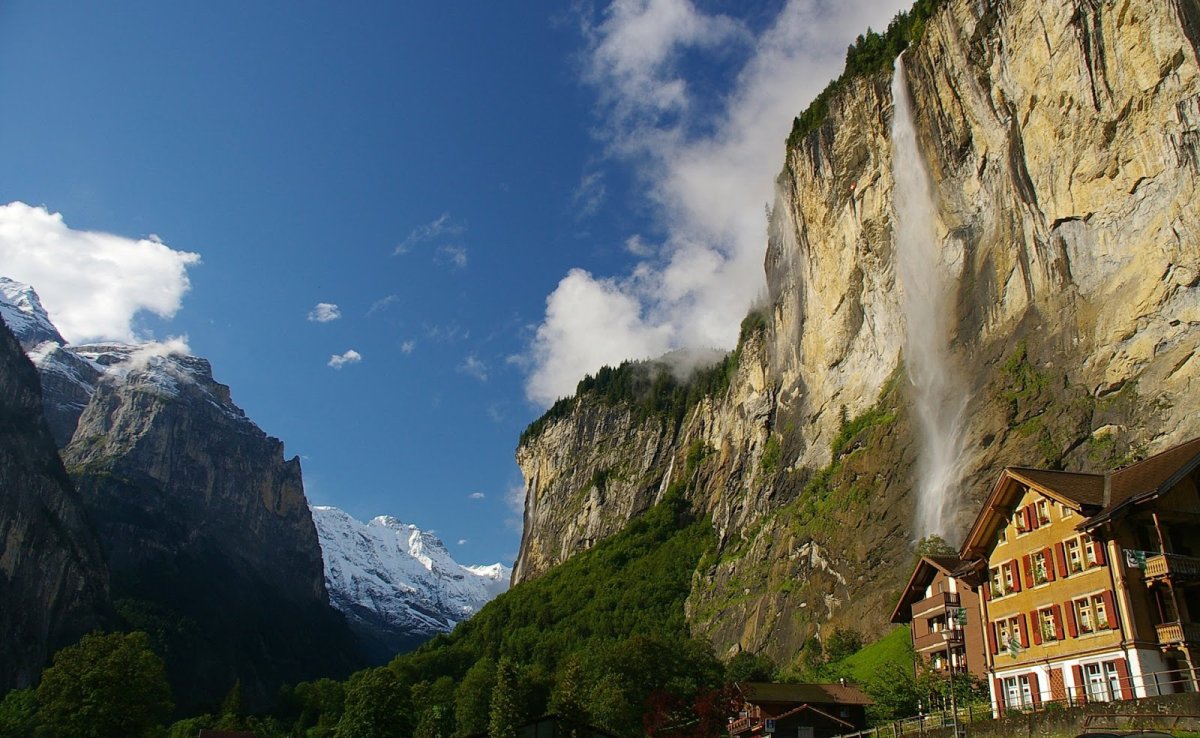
[941, 606]
[797, 710]
[1091, 585]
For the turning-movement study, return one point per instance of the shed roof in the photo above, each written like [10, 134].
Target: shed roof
[760, 692]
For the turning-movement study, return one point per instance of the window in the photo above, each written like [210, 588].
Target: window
[1089, 546]
[1009, 568]
[995, 582]
[1074, 555]
[1042, 510]
[1002, 535]
[1064, 512]
[1017, 692]
[1018, 520]
[1103, 684]
[1039, 568]
[1047, 624]
[1091, 613]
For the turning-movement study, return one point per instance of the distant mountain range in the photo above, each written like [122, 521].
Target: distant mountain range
[398, 585]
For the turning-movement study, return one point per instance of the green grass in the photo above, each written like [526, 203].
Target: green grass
[892, 648]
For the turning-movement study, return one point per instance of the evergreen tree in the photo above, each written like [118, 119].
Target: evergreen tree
[376, 706]
[473, 699]
[18, 714]
[232, 710]
[105, 685]
[567, 698]
[505, 716]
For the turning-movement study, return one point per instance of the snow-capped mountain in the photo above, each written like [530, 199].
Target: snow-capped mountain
[22, 311]
[398, 585]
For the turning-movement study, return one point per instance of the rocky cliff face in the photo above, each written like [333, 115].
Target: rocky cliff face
[1062, 140]
[53, 582]
[204, 524]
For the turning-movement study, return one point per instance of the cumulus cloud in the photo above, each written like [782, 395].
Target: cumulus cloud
[93, 284]
[349, 357]
[708, 170]
[440, 227]
[324, 312]
[473, 366]
[476, 495]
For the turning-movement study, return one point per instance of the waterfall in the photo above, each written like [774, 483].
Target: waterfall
[927, 302]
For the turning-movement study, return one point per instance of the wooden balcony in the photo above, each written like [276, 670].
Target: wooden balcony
[938, 641]
[931, 606]
[1176, 568]
[1173, 635]
[745, 725]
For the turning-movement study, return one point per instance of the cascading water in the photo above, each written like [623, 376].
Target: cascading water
[927, 303]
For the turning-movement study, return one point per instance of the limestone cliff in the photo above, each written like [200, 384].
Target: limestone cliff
[1063, 141]
[53, 583]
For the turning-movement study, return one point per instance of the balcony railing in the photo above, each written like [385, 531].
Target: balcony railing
[1172, 566]
[939, 601]
[1177, 634]
[745, 724]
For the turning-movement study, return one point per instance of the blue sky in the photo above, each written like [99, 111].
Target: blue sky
[497, 197]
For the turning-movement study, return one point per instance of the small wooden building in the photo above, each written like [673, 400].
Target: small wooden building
[797, 710]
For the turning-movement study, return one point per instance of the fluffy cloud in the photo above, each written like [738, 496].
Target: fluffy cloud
[407, 347]
[324, 312]
[92, 284]
[708, 174]
[349, 357]
[476, 496]
[173, 346]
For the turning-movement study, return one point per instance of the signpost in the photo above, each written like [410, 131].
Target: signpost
[769, 725]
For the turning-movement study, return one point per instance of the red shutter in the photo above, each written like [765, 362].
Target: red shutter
[1016, 575]
[987, 589]
[992, 640]
[1124, 680]
[1023, 626]
[1035, 690]
[1027, 566]
[999, 685]
[1058, 624]
[1072, 625]
[1035, 624]
[1099, 549]
[1061, 559]
[1080, 686]
[1110, 609]
[1048, 557]
[1030, 517]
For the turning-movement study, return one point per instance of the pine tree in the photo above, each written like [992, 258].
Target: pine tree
[505, 714]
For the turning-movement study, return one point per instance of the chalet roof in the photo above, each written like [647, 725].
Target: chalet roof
[761, 692]
[922, 576]
[1099, 497]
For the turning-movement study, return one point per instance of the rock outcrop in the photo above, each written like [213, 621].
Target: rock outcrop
[53, 582]
[1063, 140]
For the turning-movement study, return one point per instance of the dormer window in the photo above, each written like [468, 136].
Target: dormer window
[1042, 510]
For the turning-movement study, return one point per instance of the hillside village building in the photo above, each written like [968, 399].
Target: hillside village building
[942, 605]
[1091, 581]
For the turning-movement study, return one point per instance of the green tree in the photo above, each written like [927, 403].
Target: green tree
[567, 699]
[749, 667]
[232, 710]
[934, 545]
[105, 685]
[473, 698]
[505, 716]
[841, 643]
[18, 714]
[376, 706]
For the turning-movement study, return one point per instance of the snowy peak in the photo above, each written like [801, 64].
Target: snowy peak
[22, 311]
[396, 584]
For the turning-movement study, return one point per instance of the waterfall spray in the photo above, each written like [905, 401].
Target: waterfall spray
[927, 303]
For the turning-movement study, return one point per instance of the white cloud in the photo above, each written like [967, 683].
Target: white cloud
[453, 254]
[407, 347]
[324, 312]
[589, 195]
[146, 352]
[462, 541]
[432, 231]
[476, 495]
[707, 175]
[473, 366]
[349, 357]
[382, 303]
[92, 284]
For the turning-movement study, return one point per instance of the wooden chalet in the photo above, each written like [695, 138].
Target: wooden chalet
[941, 606]
[797, 710]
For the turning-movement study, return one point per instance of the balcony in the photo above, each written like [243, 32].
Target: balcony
[1173, 635]
[745, 725]
[939, 640]
[934, 605]
[1173, 567]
